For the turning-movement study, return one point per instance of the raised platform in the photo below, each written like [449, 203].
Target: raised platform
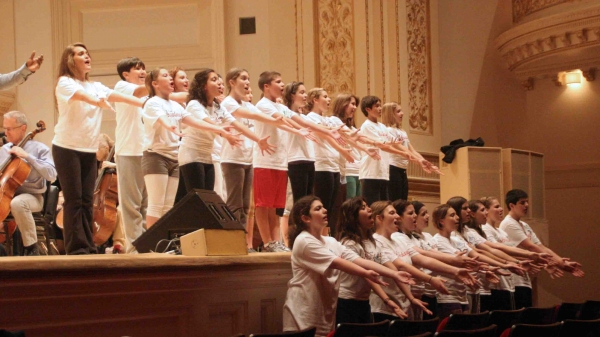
[143, 295]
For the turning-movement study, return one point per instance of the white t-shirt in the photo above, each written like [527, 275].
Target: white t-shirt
[475, 239]
[419, 288]
[427, 242]
[300, 148]
[278, 160]
[346, 168]
[369, 167]
[518, 231]
[239, 154]
[327, 159]
[497, 235]
[396, 159]
[160, 139]
[390, 251]
[457, 291]
[197, 145]
[312, 294]
[354, 287]
[78, 126]
[129, 133]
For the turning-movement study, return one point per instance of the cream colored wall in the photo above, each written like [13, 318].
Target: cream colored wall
[477, 91]
[480, 97]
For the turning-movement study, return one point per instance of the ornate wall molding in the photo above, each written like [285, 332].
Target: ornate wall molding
[522, 8]
[419, 66]
[335, 46]
[7, 98]
[543, 47]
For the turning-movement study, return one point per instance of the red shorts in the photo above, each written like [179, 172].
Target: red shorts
[269, 187]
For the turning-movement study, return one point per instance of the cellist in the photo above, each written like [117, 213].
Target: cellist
[29, 197]
[118, 235]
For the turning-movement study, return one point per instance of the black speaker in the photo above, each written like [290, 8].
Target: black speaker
[198, 209]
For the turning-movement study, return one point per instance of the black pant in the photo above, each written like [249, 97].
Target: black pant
[302, 178]
[181, 190]
[431, 305]
[486, 303]
[353, 311]
[398, 185]
[198, 175]
[77, 172]
[502, 300]
[523, 297]
[327, 185]
[374, 190]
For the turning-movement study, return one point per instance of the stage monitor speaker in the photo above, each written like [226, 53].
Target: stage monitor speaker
[198, 209]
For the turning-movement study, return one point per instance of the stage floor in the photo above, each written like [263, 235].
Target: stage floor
[143, 294]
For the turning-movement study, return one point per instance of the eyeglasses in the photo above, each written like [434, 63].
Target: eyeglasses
[16, 127]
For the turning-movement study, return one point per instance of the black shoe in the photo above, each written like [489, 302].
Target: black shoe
[31, 250]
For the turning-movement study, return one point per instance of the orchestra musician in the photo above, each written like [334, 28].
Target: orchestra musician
[29, 197]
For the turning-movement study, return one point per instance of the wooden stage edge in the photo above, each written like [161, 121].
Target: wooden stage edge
[144, 294]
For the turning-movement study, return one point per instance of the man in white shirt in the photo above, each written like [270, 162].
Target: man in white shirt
[522, 236]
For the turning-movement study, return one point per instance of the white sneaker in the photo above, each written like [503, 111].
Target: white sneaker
[282, 247]
[270, 247]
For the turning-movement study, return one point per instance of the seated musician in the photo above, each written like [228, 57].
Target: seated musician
[118, 236]
[29, 197]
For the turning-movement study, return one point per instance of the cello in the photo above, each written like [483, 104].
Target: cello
[13, 173]
[106, 199]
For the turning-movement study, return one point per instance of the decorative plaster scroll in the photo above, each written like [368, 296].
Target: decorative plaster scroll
[336, 50]
[522, 8]
[419, 66]
[542, 47]
[7, 98]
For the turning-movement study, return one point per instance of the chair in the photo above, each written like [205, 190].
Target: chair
[489, 331]
[464, 322]
[504, 319]
[400, 327]
[362, 330]
[538, 316]
[568, 311]
[528, 330]
[590, 310]
[43, 221]
[310, 332]
[580, 328]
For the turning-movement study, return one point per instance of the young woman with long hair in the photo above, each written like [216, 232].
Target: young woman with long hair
[391, 116]
[162, 120]
[355, 231]
[80, 104]
[405, 238]
[236, 162]
[397, 255]
[196, 152]
[316, 265]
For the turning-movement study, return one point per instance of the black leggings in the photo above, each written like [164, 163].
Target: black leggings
[502, 300]
[431, 305]
[398, 185]
[302, 178]
[353, 311]
[77, 172]
[523, 297]
[327, 185]
[198, 175]
[374, 190]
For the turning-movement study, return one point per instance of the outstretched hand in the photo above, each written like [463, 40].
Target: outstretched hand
[421, 305]
[265, 146]
[34, 63]
[374, 277]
